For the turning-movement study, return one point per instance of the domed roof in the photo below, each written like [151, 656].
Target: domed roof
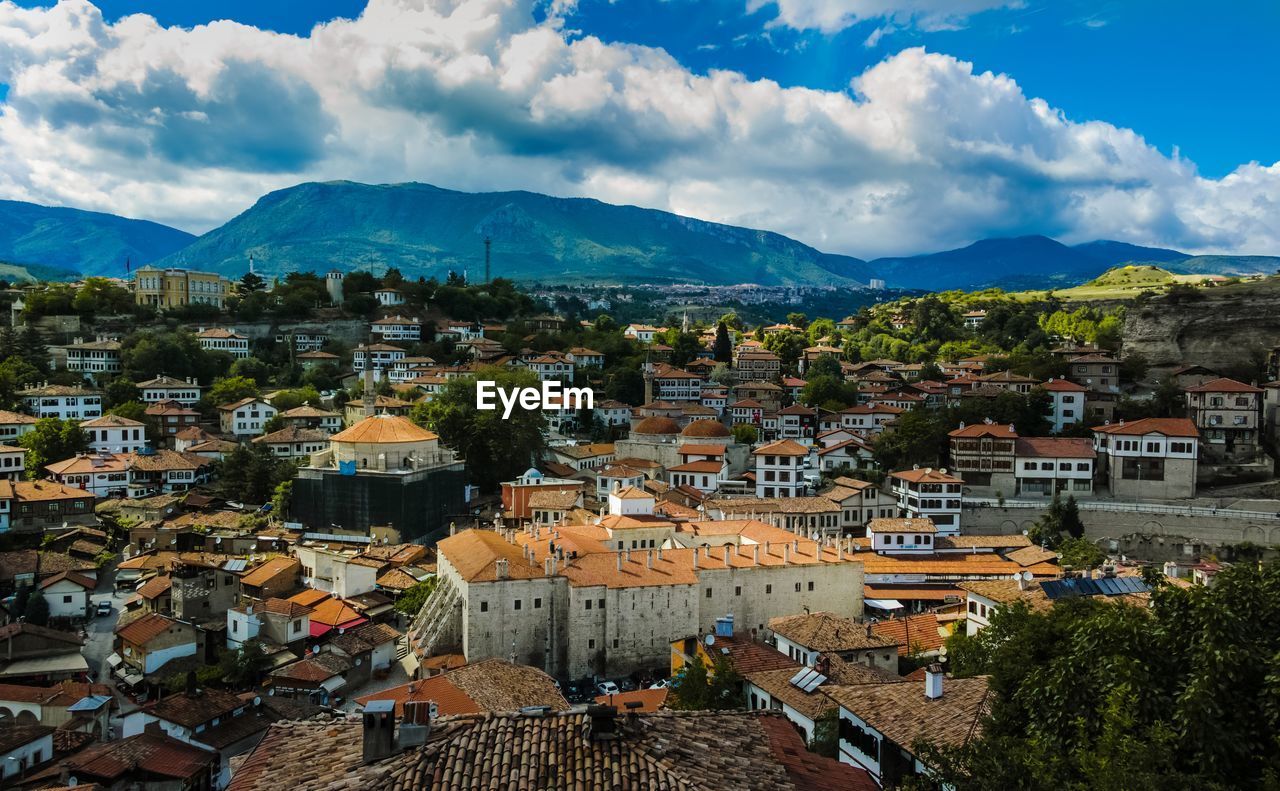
[656, 425]
[706, 428]
[380, 429]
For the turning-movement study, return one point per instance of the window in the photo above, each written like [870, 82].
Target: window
[66, 599]
[600, 604]
[811, 585]
[516, 605]
[484, 606]
[708, 593]
[768, 589]
[737, 590]
[537, 604]
[591, 644]
[797, 587]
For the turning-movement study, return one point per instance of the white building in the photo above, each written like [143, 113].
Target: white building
[14, 425]
[1067, 403]
[341, 571]
[397, 328]
[931, 494]
[94, 358]
[62, 401]
[388, 297]
[1047, 465]
[167, 388]
[67, 594]
[901, 536]
[246, 417]
[218, 339]
[381, 356]
[22, 754]
[115, 434]
[1152, 458]
[779, 468]
[641, 332]
[293, 442]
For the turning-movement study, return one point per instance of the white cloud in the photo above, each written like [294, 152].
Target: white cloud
[191, 126]
[831, 16]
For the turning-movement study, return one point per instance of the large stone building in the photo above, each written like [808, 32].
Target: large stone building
[1152, 458]
[1229, 416]
[383, 470]
[570, 601]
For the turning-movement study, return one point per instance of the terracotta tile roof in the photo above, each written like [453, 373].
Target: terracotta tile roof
[293, 434]
[660, 751]
[704, 467]
[1223, 385]
[334, 613]
[925, 475]
[1008, 592]
[310, 597]
[913, 634]
[379, 429]
[13, 736]
[153, 753]
[40, 491]
[981, 542]
[749, 656]
[270, 570]
[649, 700]
[289, 609]
[1002, 430]
[1168, 426]
[78, 579]
[825, 631]
[783, 447]
[314, 669]
[397, 579]
[904, 715]
[1063, 386]
[555, 499]
[474, 553]
[1055, 447]
[901, 525]
[1030, 556]
[808, 771]
[155, 587]
[145, 629]
[8, 418]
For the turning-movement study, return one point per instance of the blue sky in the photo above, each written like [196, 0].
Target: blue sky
[884, 133]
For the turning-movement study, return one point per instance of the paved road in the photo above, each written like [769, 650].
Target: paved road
[101, 629]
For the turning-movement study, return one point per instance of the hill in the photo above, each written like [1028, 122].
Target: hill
[1038, 262]
[55, 243]
[425, 230]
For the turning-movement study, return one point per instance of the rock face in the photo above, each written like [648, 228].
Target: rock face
[1229, 330]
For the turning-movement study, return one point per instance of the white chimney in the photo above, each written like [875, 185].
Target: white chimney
[933, 681]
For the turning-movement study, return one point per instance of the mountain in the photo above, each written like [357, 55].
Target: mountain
[426, 230]
[1110, 253]
[57, 244]
[1034, 262]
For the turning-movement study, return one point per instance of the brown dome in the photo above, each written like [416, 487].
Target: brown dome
[656, 425]
[706, 428]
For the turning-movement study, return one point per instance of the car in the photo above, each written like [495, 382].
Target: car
[607, 688]
[104, 607]
[663, 684]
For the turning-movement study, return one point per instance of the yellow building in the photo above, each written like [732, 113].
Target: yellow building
[173, 288]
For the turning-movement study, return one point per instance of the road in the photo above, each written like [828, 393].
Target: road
[101, 630]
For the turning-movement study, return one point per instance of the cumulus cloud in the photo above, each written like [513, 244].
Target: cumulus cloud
[189, 126]
[831, 16]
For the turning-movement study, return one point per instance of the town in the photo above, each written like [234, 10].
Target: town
[258, 530]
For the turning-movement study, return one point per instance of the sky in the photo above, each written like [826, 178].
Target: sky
[864, 127]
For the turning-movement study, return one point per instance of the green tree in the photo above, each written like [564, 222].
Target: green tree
[745, 434]
[696, 688]
[495, 449]
[16, 374]
[51, 440]
[722, 350]
[230, 390]
[136, 410]
[243, 667]
[20, 599]
[250, 283]
[1080, 553]
[250, 474]
[121, 390]
[412, 599]
[37, 609]
[100, 296]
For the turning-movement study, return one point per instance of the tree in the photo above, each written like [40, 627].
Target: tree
[15, 375]
[100, 296]
[136, 410]
[415, 597]
[20, 599]
[1080, 553]
[1096, 693]
[250, 283]
[230, 390]
[1070, 521]
[37, 609]
[494, 449]
[121, 390]
[698, 689]
[722, 350]
[250, 474]
[52, 440]
[745, 434]
[243, 667]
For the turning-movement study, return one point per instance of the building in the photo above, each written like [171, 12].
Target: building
[383, 470]
[144, 760]
[218, 339]
[13, 463]
[115, 434]
[807, 637]
[673, 384]
[36, 505]
[307, 416]
[573, 602]
[96, 359]
[754, 364]
[62, 401]
[984, 454]
[1067, 403]
[1100, 376]
[246, 417]
[173, 418]
[292, 442]
[315, 359]
[1152, 458]
[1045, 466]
[166, 388]
[22, 747]
[880, 724]
[930, 494]
[779, 468]
[147, 644]
[1229, 416]
[641, 332]
[389, 297]
[68, 595]
[396, 329]
[14, 425]
[175, 288]
[380, 357]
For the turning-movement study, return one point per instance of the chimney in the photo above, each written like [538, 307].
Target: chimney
[726, 554]
[416, 727]
[1022, 582]
[695, 557]
[933, 681]
[619, 560]
[659, 553]
[191, 684]
[786, 553]
[379, 730]
[500, 566]
[755, 555]
[603, 724]
[549, 566]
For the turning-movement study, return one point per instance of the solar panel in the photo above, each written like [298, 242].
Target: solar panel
[235, 564]
[795, 680]
[1109, 587]
[815, 682]
[808, 679]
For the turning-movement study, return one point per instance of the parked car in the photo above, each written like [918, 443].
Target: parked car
[104, 607]
[662, 684]
[607, 688]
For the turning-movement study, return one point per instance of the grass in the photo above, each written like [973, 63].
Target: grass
[1121, 282]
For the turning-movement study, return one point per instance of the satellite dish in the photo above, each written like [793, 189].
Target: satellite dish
[315, 649]
[257, 701]
[942, 652]
[709, 639]
[1028, 576]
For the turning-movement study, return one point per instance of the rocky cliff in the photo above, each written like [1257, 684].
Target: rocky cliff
[1228, 329]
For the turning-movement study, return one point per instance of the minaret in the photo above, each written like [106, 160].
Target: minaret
[369, 400]
[648, 380]
[684, 324]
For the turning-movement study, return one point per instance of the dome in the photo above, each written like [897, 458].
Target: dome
[384, 429]
[656, 425]
[706, 428]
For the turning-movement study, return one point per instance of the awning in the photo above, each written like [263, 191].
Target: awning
[333, 684]
[114, 661]
[133, 679]
[60, 663]
[883, 604]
